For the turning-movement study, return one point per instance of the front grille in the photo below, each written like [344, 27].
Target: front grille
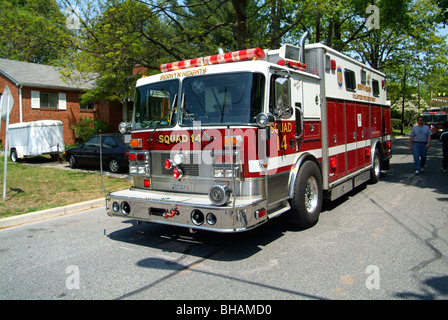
[190, 166]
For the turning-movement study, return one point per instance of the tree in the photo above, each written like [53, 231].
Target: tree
[122, 33]
[32, 31]
[125, 34]
[407, 48]
[442, 16]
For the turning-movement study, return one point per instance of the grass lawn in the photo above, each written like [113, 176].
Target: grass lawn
[397, 133]
[33, 188]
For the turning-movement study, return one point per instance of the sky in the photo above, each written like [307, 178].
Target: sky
[443, 31]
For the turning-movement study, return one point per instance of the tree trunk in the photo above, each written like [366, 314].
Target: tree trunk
[241, 27]
[402, 105]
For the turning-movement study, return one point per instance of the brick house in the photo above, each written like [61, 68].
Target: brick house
[40, 93]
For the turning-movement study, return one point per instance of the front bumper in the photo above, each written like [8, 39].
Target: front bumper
[185, 210]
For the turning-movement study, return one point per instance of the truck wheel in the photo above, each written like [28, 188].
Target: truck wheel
[13, 156]
[375, 172]
[72, 161]
[114, 166]
[307, 199]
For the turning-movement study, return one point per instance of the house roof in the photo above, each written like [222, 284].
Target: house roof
[40, 76]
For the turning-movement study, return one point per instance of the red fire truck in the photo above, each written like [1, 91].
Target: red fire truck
[229, 141]
[437, 119]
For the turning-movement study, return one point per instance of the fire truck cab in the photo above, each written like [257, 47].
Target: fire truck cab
[229, 141]
[437, 120]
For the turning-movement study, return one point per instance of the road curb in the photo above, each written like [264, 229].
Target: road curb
[50, 213]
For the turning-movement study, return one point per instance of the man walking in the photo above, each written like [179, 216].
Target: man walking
[420, 138]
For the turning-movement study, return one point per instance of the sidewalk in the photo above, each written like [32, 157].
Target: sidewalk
[50, 213]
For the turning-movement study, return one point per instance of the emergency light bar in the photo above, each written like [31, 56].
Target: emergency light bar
[292, 64]
[242, 55]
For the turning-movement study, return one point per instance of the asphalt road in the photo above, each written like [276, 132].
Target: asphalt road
[382, 241]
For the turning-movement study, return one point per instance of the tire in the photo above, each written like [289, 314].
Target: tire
[114, 166]
[375, 172]
[13, 155]
[385, 165]
[306, 203]
[72, 161]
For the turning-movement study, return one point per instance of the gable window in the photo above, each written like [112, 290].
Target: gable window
[49, 100]
[350, 80]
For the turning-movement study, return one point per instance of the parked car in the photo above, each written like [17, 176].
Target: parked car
[115, 153]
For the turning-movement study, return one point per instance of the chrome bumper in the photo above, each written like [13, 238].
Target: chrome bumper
[178, 209]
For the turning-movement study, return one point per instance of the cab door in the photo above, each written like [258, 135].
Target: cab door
[283, 132]
[282, 136]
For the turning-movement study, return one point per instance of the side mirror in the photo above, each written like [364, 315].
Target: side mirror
[265, 120]
[282, 108]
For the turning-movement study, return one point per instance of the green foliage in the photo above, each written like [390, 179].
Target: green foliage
[88, 127]
[116, 35]
[32, 31]
[395, 123]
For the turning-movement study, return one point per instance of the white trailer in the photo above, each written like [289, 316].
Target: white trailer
[35, 138]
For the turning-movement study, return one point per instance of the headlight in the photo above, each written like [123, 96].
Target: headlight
[229, 173]
[141, 170]
[124, 127]
[226, 172]
[265, 120]
[133, 169]
[218, 173]
[139, 163]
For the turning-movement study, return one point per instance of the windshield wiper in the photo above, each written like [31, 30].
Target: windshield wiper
[194, 122]
[163, 118]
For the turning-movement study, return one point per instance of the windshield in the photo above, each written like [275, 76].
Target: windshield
[235, 98]
[154, 105]
[435, 118]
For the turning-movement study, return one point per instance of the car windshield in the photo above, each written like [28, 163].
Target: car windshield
[235, 98]
[154, 105]
[93, 142]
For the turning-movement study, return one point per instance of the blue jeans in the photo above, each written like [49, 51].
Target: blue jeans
[419, 150]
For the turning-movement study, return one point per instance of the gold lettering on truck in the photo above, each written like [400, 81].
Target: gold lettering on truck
[184, 73]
